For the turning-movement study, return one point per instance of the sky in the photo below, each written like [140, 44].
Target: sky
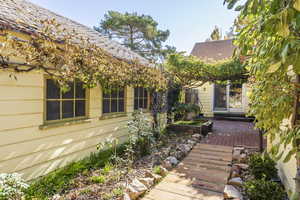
[189, 21]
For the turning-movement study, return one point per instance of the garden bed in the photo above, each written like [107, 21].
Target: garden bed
[116, 181]
[253, 176]
[202, 127]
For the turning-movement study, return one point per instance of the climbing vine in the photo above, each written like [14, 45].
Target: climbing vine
[66, 56]
[193, 72]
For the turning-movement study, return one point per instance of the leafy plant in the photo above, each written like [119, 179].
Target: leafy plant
[181, 110]
[263, 190]
[141, 137]
[98, 179]
[262, 167]
[12, 186]
[157, 170]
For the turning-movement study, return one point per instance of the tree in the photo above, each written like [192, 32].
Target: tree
[140, 33]
[216, 34]
[268, 36]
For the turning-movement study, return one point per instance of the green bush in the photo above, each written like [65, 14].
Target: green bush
[263, 190]
[262, 167]
[181, 110]
[98, 179]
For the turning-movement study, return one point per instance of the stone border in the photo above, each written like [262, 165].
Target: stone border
[204, 129]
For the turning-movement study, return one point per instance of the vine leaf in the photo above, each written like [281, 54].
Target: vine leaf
[297, 5]
[274, 67]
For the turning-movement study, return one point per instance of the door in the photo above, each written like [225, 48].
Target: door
[235, 98]
[228, 98]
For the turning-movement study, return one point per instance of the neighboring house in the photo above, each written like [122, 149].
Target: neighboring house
[41, 128]
[216, 99]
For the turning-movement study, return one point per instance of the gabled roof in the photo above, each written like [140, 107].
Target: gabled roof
[214, 50]
[23, 16]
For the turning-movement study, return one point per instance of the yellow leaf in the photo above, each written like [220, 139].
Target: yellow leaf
[297, 5]
[274, 67]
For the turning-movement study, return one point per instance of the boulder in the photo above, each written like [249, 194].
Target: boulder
[237, 181]
[185, 148]
[242, 166]
[191, 142]
[172, 160]
[230, 192]
[235, 172]
[156, 177]
[243, 158]
[197, 136]
[148, 182]
[56, 197]
[136, 189]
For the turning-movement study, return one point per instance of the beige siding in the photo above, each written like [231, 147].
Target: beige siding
[287, 171]
[206, 99]
[33, 152]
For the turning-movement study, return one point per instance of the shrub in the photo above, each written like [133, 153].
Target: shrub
[263, 190]
[262, 167]
[12, 186]
[181, 110]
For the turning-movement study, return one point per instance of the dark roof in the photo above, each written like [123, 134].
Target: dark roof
[213, 50]
[23, 16]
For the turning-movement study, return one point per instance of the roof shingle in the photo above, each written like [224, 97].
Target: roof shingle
[23, 16]
[213, 50]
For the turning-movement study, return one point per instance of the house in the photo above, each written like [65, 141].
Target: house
[217, 99]
[41, 128]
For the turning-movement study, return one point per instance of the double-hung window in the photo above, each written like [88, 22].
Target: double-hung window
[141, 97]
[114, 101]
[65, 105]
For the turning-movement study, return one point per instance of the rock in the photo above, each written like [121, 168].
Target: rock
[148, 182]
[56, 197]
[230, 192]
[197, 136]
[235, 172]
[243, 158]
[242, 166]
[237, 181]
[185, 148]
[156, 177]
[136, 189]
[191, 142]
[156, 159]
[167, 165]
[163, 171]
[172, 160]
[126, 196]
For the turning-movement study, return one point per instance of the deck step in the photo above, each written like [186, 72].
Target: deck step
[204, 166]
[215, 148]
[210, 157]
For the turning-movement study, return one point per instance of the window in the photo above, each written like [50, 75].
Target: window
[67, 105]
[191, 96]
[140, 98]
[113, 101]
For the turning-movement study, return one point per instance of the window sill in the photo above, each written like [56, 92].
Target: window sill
[64, 123]
[112, 115]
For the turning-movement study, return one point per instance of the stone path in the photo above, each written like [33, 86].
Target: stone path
[202, 175]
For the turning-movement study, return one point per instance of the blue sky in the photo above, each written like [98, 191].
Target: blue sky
[189, 21]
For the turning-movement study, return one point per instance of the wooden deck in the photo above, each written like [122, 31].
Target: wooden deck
[202, 175]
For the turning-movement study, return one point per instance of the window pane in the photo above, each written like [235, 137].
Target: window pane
[106, 94]
[146, 103]
[121, 93]
[121, 106]
[80, 91]
[79, 108]
[136, 92]
[114, 105]
[52, 110]
[53, 91]
[145, 93]
[67, 109]
[141, 102]
[141, 92]
[114, 93]
[136, 104]
[106, 106]
[70, 93]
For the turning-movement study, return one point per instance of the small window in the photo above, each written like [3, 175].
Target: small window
[65, 105]
[141, 98]
[113, 101]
